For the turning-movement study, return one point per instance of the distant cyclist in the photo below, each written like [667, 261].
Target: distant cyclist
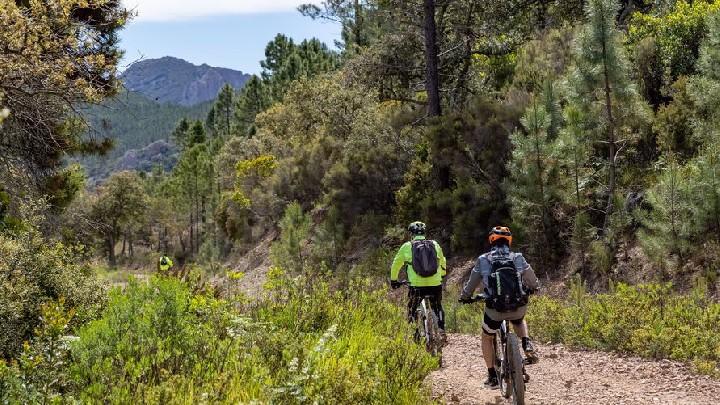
[425, 265]
[510, 304]
[164, 264]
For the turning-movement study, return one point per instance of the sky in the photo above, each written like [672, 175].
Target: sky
[221, 33]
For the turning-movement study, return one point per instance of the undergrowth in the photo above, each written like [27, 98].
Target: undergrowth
[160, 342]
[647, 320]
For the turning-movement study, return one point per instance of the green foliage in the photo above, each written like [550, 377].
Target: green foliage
[649, 320]
[119, 209]
[678, 34]
[358, 346]
[133, 121]
[34, 271]
[674, 124]
[292, 251]
[468, 150]
[360, 21]
[534, 190]
[669, 226]
[55, 56]
[706, 190]
[158, 342]
[540, 60]
[40, 375]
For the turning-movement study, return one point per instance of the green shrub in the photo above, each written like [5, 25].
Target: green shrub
[157, 342]
[646, 320]
[40, 374]
[33, 272]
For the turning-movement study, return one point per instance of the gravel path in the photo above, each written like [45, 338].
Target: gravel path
[568, 377]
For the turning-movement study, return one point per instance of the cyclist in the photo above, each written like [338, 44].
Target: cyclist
[164, 264]
[500, 240]
[420, 285]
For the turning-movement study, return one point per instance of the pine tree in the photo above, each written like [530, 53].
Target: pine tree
[224, 110]
[529, 169]
[601, 88]
[669, 226]
[704, 89]
[574, 155]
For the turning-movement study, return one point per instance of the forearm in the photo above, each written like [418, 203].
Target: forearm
[530, 279]
[475, 280]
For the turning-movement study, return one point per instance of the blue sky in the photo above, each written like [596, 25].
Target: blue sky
[221, 33]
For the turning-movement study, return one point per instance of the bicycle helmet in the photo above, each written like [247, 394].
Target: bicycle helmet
[417, 228]
[500, 232]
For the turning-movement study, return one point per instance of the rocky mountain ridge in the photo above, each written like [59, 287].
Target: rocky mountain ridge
[174, 80]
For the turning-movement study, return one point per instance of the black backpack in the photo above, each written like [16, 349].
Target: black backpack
[505, 290]
[163, 261]
[424, 257]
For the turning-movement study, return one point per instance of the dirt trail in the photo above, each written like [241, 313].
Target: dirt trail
[565, 377]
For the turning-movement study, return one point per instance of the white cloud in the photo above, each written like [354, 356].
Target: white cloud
[164, 10]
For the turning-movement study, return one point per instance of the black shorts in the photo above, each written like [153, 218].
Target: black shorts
[490, 326]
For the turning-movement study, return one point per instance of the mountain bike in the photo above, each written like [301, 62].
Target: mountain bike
[427, 327]
[509, 362]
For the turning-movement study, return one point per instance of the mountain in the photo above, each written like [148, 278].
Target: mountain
[174, 80]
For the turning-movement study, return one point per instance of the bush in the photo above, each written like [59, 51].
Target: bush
[33, 272]
[646, 320]
[157, 342]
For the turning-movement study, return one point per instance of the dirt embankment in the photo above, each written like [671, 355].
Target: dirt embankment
[567, 377]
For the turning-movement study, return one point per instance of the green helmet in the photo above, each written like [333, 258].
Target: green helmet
[417, 228]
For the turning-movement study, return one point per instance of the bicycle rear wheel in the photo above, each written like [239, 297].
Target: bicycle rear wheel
[434, 345]
[515, 361]
[501, 366]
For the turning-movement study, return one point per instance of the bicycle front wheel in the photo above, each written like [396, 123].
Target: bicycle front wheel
[515, 361]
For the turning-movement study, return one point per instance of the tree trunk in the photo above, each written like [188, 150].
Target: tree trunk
[611, 142]
[432, 82]
[192, 233]
[357, 26]
[112, 260]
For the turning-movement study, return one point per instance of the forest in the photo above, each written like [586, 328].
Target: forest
[590, 128]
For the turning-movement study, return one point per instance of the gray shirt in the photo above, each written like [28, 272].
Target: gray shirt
[482, 269]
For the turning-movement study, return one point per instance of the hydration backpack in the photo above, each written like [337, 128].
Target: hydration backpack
[424, 257]
[506, 289]
[163, 261]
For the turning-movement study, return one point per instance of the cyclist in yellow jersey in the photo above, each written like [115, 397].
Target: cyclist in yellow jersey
[421, 285]
[164, 264]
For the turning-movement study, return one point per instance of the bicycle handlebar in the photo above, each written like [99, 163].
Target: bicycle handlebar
[475, 298]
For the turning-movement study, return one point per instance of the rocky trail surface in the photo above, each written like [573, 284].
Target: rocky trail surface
[565, 376]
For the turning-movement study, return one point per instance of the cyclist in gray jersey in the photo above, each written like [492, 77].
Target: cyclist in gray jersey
[500, 239]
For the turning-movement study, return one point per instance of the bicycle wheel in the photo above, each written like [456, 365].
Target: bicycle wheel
[515, 361]
[434, 342]
[420, 330]
[501, 366]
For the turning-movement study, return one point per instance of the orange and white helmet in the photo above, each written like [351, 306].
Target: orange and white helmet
[500, 232]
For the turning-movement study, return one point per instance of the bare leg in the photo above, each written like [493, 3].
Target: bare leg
[521, 329]
[488, 350]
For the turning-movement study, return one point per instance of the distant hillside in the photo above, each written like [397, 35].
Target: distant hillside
[136, 123]
[174, 80]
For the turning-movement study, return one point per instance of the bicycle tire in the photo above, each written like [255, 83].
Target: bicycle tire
[434, 343]
[515, 361]
[501, 366]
